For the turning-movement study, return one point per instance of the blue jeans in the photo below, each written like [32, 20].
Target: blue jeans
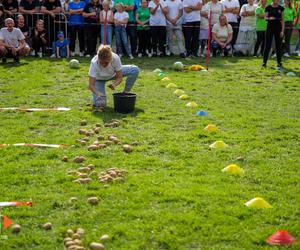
[129, 71]
[108, 34]
[121, 39]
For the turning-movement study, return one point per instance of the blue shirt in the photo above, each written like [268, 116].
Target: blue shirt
[76, 19]
[62, 45]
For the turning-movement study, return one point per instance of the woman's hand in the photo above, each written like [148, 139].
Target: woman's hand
[112, 86]
[281, 34]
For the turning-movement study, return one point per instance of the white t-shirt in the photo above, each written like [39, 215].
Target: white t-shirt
[204, 20]
[173, 8]
[231, 4]
[158, 19]
[12, 38]
[121, 16]
[193, 16]
[216, 10]
[101, 73]
[248, 22]
[222, 31]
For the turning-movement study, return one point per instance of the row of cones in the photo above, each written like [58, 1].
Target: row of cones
[179, 92]
[281, 237]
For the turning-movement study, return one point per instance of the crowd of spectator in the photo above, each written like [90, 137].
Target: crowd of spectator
[141, 28]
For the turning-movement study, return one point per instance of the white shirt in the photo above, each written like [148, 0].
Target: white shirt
[231, 4]
[121, 16]
[12, 38]
[248, 22]
[216, 10]
[193, 16]
[107, 73]
[204, 20]
[173, 9]
[222, 31]
[158, 19]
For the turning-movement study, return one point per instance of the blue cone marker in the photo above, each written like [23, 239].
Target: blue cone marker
[201, 113]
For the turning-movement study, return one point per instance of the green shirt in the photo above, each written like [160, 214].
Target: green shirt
[131, 12]
[144, 14]
[289, 14]
[261, 23]
[298, 23]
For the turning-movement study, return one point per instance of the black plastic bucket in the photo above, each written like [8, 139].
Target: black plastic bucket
[124, 102]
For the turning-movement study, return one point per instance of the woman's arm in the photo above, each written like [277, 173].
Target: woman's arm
[117, 81]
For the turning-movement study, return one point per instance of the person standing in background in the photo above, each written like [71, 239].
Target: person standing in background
[289, 16]
[143, 29]
[107, 21]
[192, 10]
[76, 26]
[158, 10]
[261, 26]
[174, 25]
[275, 28]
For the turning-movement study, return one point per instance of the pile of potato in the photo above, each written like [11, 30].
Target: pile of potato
[73, 240]
[112, 175]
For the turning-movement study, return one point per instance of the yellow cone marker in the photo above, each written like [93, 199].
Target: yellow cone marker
[258, 202]
[184, 97]
[171, 85]
[178, 92]
[218, 145]
[211, 128]
[165, 79]
[233, 169]
[191, 105]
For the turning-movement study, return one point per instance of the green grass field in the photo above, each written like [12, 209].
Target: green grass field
[174, 195]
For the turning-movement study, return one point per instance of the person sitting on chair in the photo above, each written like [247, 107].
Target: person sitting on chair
[12, 42]
[221, 36]
[106, 66]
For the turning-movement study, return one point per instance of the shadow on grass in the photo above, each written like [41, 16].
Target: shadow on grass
[13, 64]
[110, 114]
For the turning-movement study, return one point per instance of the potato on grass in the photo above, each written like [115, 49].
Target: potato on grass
[80, 231]
[86, 169]
[93, 147]
[127, 148]
[16, 229]
[72, 200]
[104, 237]
[65, 158]
[47, 226]
[93, 200]
[79, 159]
[96, 246]
[83, 122]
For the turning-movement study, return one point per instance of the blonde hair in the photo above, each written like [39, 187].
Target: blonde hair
[104, 53]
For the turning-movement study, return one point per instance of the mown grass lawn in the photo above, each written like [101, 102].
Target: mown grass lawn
[174, 195]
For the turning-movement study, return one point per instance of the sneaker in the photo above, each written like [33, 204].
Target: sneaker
[32, 53]
[149, 55]
[168, 53]
[140, 55]
[4, 60]
[52, 56]
[131, 57]
[182, 55]
[286, 55]
[87, 55]
[17, 60]
[72, 54]
[274, 55]
[40, 54]
[264, 65]
[299, 54]
[279, 67]
[81, 54]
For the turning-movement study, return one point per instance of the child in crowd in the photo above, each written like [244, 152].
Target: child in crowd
[121, 19]
[107, 20]
[204, 25]
[62, 46]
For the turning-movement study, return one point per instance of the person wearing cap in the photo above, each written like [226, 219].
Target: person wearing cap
[12, 42]
[107, 66]
[62, 46]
